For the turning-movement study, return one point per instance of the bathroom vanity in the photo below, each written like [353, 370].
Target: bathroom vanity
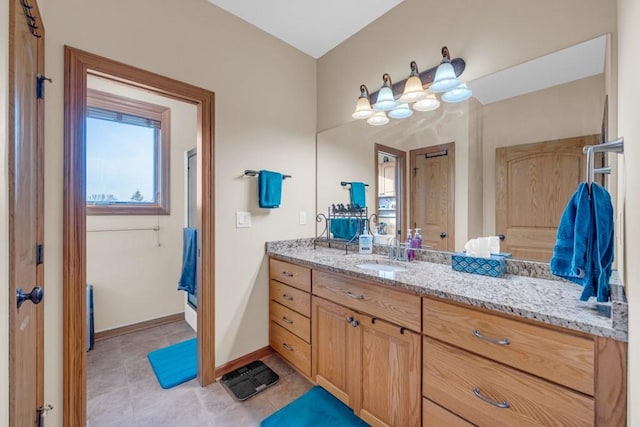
[429, 346]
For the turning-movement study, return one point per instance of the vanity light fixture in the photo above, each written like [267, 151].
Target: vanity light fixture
[441, 79]
[457, 94]
[385, 100]
[413, 90]
[402, 111]
[378, 119]
[445, 78]
[363, 106]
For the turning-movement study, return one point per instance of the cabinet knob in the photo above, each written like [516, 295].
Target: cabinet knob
[349, 319]
[355, 323]
[443, 235]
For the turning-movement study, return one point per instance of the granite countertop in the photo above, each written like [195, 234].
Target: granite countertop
[548, 301]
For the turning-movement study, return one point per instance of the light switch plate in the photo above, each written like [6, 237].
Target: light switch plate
[243, 219]
[303, 218]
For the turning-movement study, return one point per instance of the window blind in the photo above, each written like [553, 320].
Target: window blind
[114, 116]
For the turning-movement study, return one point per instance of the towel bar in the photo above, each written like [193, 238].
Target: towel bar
[616, 146]
[249, 172]
[344, 183]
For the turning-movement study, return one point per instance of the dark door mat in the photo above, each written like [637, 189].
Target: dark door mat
[249, 380]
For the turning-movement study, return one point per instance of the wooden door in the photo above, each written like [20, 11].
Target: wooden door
[336, 350]
[534, 182]
[26, 226]
[432, 195]
[391, 363]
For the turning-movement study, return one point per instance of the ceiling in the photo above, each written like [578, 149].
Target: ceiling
[312, 27]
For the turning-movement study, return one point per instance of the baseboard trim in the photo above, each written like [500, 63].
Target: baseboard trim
[243, 360]
[115, 332]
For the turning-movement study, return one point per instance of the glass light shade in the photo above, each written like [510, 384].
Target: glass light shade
[385, 101]
[413, 90]
[457, 94]
[401, 112]
[363, 109]
[378, 119]
[445, 78]
[429, 103]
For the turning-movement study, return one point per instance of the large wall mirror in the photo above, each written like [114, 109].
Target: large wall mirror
[504, 162]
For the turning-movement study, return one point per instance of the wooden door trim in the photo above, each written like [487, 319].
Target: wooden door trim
[77, 65]
[15, 7]
[400, 188]
[451, 153]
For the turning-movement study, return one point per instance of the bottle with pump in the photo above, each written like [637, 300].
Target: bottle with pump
[416, 242]
[365, 242]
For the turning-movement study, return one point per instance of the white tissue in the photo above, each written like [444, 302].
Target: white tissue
[483, 247]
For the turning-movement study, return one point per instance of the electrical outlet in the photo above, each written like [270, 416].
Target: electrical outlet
[303, 218]
[243, 219]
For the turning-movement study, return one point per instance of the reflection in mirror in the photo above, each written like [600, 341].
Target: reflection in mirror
[390, 166]
[526, 104]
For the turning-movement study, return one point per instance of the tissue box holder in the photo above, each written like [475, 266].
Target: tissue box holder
[494, 266]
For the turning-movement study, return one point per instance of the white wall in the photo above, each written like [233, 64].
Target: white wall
[490, 35]
[4, 213]
[629, 127]
[264, 118]
[143, 286]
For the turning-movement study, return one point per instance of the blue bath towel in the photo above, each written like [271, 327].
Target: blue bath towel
[187, 280]
[584, 245]
[269, 189]
[346, 228]
[358, 197]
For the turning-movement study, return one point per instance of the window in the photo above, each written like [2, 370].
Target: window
[127, 151]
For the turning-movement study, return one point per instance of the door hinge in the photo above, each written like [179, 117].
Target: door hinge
[415, 171]
[39, 254]
[40, 85]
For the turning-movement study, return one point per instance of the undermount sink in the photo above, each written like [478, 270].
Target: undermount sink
[380, 267]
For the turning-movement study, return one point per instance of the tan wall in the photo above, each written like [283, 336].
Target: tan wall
[629, 127]
[265, 118]
[143, 286]
[4, 213]
[536, 117]
[490, 35]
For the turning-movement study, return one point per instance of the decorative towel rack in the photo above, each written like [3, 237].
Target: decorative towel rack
[616, 146]
[249, 172]
[344, 183]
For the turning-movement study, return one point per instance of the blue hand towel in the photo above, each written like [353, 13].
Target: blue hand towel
[346, 228]
[269, 189]
[357, 195]
[584, 245]
[187, 280]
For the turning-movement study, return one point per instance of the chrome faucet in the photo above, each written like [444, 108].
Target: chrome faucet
[397, 250]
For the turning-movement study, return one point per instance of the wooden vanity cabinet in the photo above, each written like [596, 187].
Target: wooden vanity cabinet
[289, 313]
[370, 364]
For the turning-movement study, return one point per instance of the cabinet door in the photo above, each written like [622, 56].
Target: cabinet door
[336, 350]
[391, 361]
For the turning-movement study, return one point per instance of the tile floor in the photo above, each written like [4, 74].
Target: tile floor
[122, 390]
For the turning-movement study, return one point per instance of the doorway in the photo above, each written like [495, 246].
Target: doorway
[390, 202]
[78, 66]
[432, 195]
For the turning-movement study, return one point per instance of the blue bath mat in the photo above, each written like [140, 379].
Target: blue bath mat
[175, 364]
[315, 408]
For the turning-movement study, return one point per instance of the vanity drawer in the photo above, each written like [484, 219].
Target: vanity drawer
[291, 321]
[554, 355]
[452, 377]
[292, 348]
[291, 274]
[435, 416]
[379, 301]
[293, 298]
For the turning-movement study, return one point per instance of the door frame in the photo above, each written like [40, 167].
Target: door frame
[401, 186]
[451, 155]
[78, 64]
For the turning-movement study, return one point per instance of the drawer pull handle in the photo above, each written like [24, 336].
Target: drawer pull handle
[354, 296]
[502, 405]
[287, 297]
[285, 345]
[285, 320]
[287, 273]
[503, 341]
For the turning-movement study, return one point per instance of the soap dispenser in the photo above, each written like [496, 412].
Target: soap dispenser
[365, 242]
[416, 242]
